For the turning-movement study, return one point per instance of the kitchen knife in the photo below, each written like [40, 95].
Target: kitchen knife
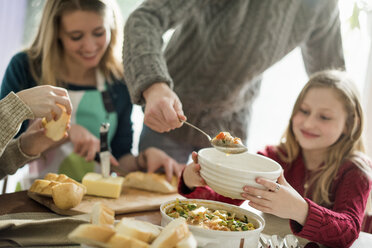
[104, 154]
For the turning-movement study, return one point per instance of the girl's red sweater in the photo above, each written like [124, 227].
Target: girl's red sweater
[337, 226]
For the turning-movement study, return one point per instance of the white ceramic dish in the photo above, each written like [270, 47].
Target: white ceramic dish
[220, 239]
[228, 174]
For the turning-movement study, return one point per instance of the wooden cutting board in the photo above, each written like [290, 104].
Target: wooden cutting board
[131, 200]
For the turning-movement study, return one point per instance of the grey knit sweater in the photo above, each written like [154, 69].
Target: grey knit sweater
[12, 113]
[219, 50]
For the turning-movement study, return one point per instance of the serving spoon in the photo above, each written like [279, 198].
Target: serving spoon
[239, 148]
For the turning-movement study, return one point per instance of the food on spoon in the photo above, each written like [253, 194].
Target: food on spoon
[56, 130]
[151, 182]
[103, 186]
[209, 218]
[226, 140]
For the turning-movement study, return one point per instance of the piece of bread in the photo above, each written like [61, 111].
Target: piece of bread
[90, 234]
[188, 242]
[120, 241]
[67, 195]
[62, 178]
[56, 130]
[102, 214]
[66, 192]
[172, 234]
[144, 231]
[151, 182]
[43, 187]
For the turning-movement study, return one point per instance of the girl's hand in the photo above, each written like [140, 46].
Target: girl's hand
[86, 144]
[156, 158]
[280, 199]
[191, 175]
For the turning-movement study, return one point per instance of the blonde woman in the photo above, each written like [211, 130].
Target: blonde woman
[327, 179]
[78, 47]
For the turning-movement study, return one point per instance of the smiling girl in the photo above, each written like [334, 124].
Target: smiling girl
[78, 47]
[327, 179]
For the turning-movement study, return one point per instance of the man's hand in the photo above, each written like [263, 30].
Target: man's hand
[163, 110]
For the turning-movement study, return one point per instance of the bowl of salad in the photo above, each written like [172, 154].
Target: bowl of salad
[215, 224]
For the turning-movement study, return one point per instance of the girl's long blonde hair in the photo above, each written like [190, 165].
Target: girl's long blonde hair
[349, 146]
[46, 52]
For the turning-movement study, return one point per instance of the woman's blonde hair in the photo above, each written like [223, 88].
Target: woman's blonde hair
[45, 53]
[348, 147]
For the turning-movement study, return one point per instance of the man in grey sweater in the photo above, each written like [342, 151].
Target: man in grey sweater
[212, 67]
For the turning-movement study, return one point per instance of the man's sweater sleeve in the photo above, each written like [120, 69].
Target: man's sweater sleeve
[323, 49]
[144, 63]
[339, 226]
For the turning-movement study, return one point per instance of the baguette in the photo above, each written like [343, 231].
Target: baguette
[62, 178]
[43, 187]
[66, 192]
[140, 230]
[67, 195]
[172, 234]
[120, 240]
[91, 234]
[102, 214]
[151, 182]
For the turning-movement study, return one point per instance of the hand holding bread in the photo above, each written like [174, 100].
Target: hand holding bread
[42, 101]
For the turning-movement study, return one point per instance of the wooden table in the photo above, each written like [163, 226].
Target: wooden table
[19, 202]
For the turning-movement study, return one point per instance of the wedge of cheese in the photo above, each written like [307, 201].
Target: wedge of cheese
[98, 185]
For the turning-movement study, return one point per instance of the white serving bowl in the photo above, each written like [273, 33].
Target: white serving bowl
[227, 174]
[220, 239]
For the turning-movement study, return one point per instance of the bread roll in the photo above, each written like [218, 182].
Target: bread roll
[43, 187]
[172, 234]
[67, 195]
[62, 178]
[120, 241]
[151, 182]
[102, 214]
[90, 234]
[144, 231]
[66, 192]
[56, 130]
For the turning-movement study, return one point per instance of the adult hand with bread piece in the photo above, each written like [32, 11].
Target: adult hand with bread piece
[155, 159]
[43, 100]
[34, 141]
[163, 110]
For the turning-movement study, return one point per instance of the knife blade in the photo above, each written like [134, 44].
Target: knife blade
[104, 154]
